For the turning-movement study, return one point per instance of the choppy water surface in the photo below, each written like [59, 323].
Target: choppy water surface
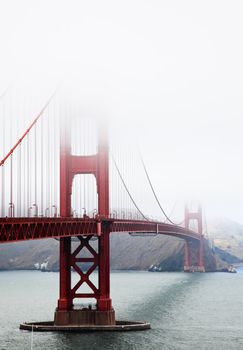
[186, 311]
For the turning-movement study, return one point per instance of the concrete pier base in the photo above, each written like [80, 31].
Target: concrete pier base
[194, 269]
[85, 320]
[119, 326]
[84, 317]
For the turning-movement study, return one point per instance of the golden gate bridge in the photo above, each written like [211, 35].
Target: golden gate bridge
[60, 178]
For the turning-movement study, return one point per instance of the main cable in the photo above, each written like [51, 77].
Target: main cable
[28, 129]
[127, 190]
[155, 196]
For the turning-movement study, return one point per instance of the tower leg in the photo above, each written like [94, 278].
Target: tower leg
[201, 264]
[187, 263]
[65, 301]
[105, 312]
[104, 300]
[194, 256]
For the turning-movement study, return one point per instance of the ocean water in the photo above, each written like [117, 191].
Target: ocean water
[186, 311]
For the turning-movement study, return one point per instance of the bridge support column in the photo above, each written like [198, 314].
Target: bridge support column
[65, 301]
[201, 263]
[104, 300]
[102, 313]
[186, 257]
[194, 249]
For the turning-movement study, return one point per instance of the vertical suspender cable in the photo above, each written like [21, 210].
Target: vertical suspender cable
[41, 171]
[28, 176]
[81, 177]
[3, 190]
[75, 147]
[47, 169]
[30, 161]
[117, 185]
[3, 170]
[123, 193]
[18, 172]
[88, 179]
[89, 182]
[120, 193]
[24, 179]
[19, 186]
[35, 184]
[84, 176]
[55, 128]
[51, 158]
[11, 186]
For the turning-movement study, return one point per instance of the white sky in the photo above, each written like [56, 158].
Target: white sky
[169, 73]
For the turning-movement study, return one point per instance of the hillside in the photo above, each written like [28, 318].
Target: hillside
[227, 235]
[127, 253]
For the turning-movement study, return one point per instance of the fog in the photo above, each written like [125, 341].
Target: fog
[167, 74]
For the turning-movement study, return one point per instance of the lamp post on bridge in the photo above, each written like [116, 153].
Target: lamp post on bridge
[11, 210]
[35, 206]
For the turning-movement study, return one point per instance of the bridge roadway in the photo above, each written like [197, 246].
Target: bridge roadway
[22, 229]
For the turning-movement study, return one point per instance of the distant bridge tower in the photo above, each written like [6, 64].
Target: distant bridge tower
[71, 165]
[194, 250]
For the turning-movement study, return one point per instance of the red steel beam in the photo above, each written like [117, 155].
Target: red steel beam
[22, 229]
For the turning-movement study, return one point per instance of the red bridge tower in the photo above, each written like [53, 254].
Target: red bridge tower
[194, 250]
[71, 165]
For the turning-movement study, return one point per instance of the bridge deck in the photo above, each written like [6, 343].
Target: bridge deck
[22, 229]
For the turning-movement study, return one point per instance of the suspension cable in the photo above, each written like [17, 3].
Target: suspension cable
[127, 190]
[171, 213]
[172, 210]
[155, 196]
[27, 130]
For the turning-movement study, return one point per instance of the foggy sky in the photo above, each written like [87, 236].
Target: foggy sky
[168, 75]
